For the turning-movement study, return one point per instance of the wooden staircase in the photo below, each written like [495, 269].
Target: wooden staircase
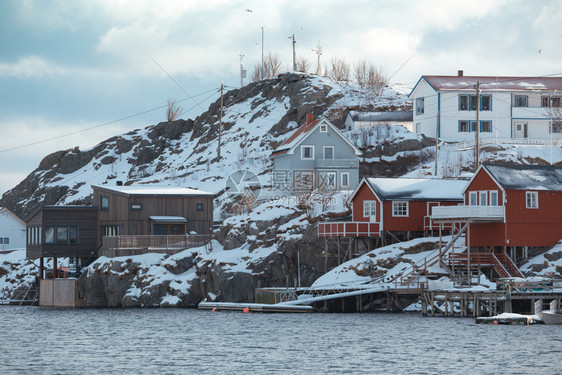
[503, 264]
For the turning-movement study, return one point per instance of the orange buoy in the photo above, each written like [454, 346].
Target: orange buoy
[214, 309]
[496, 322]
[246, 310]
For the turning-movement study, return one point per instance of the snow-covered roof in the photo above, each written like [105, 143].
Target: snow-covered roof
[155, 190]
[493, 83]
[381, 116]
[168, 219]
[417, 189]
[527, 177]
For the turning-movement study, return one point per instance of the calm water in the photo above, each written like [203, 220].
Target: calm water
[181, 341]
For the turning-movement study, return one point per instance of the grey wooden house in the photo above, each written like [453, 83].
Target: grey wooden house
[317, 156]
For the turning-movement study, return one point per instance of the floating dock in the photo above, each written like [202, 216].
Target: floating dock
[511, 319]
[255, 307]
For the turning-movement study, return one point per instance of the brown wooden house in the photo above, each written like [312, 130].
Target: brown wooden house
[154, 211]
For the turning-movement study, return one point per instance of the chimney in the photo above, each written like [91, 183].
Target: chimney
[460, 73]
[309, 118]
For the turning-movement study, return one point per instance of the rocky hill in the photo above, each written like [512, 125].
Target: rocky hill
[256, 118]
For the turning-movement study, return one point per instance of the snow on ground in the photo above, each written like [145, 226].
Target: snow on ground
[383, 263]
[548, 264]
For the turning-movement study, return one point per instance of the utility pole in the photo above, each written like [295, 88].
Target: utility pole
[220, 126]
[318, 51]
[436, 143]
[477, 148]
[242, 71]
[262, 51]
[294, 54]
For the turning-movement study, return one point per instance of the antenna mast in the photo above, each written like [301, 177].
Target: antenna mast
[318, 52]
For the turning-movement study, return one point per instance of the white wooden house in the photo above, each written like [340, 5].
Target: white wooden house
[510, 107]
[12, 230]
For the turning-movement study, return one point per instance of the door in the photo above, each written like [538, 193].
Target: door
[159, 229]
[521, 130]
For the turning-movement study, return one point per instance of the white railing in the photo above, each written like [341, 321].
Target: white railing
[547, 142]
[468, 212]
[337, 163]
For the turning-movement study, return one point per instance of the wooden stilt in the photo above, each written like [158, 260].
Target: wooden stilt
[55, 269]
[41, 268]
[432, 304]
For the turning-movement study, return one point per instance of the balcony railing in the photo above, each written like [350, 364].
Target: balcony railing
[115, 246]
[475, 213]
[348, 229]
[336, 163]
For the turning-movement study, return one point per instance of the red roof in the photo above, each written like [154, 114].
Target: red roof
[286, 145]
[495, 83]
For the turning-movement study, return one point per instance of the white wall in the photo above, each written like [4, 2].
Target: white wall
[12, 228]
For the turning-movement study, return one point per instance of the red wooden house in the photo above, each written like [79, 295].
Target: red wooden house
[400, 206]
[510, 206]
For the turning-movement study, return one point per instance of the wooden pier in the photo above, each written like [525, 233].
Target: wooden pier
[255, 307]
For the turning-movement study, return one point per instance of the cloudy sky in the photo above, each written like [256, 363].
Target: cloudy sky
[76, 72]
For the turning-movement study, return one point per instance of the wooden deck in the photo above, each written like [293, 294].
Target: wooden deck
[115, 246]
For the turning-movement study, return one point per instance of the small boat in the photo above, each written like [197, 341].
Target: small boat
[548, 317]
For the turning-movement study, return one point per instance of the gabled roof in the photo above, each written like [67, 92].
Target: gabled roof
[468, 83]
[154, 190]
[413, 189]
[526, 177]
[381, 116]
[303, 132]
[10, 213]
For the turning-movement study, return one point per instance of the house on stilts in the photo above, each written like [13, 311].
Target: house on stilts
[508, 212]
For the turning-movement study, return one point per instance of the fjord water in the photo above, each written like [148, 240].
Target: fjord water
[38, 340]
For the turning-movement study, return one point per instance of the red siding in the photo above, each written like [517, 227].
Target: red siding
[364, 194]
[483, 181]
[523, 226]
[417, 210]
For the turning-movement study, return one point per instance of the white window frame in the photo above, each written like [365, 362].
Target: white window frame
[397, 209]
[516, 98]
[534, 199]
[324, 148]
[420, 106]
[473, 198]
[494, 193]
[369, 208]
[347, 177]
[323, 128]
[482, 198]
[303, 147]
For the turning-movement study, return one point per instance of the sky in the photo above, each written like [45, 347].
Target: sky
[76, 72]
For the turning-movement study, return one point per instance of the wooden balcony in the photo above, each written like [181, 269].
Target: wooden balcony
[468, 213]
[348, 229]
[116, 246]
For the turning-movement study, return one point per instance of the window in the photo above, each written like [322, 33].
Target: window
[418, 128]
[483, 198]
[369, 208]
[307, 152]
[532, 199]
[486, 126]
[419, 106]
[62, 235]
[6, 240]
[493, 198]
[521, 101]
[49, 234]
[550, 101]
[556, 127]
[328, 152]
[473, 102]
[399, 208]
[472, 198]
[323, 128]
[303, 181]
[463, 102]
[104, 203]
[1, 240]
[485, 102]
[109, 230]
[328, 180]
[473, 126]
[345, 179]
[73, 234]
[464, 126]
[199, 206]
[136, 206]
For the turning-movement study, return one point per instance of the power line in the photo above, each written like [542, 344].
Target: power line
[104, 124]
